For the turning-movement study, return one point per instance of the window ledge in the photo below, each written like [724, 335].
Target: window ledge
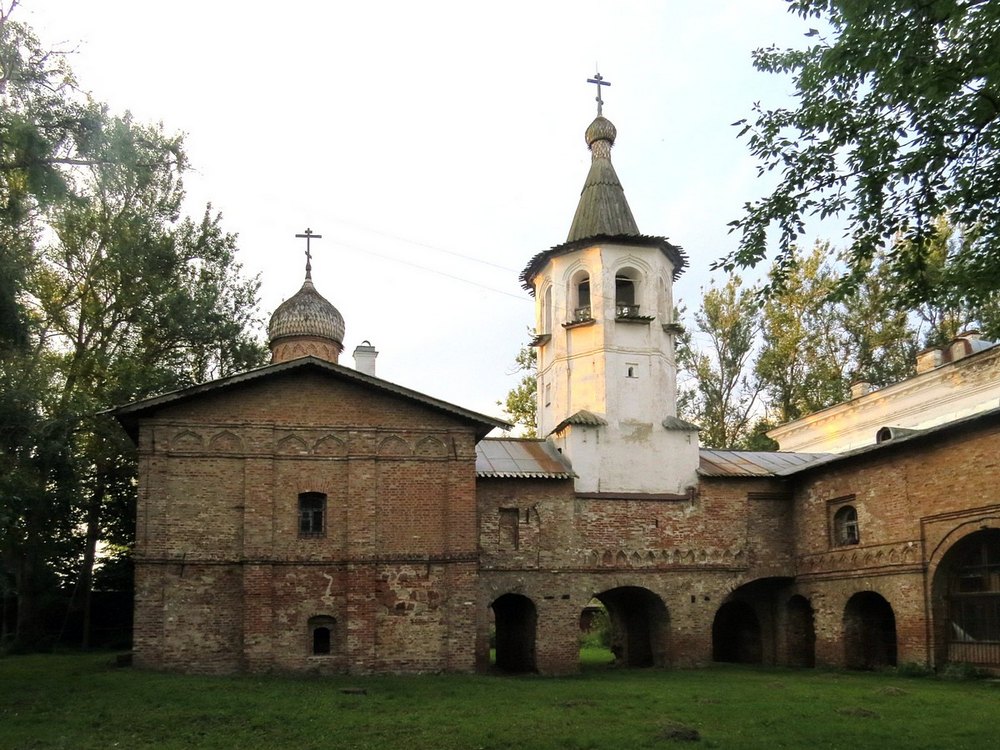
[539, 339]
[675, 328]
[579, 323]
[642, 319]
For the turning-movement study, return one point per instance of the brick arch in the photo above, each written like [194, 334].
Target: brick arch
[187, 440]
[957, 534]
[431, 446]
[330, 445]
[292, 445]
[226, 442]
[394, 445]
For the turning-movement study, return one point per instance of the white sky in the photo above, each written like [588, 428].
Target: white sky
[401, 130]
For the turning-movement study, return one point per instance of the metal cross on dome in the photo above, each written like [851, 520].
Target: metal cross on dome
[599, 81]
[309, 236]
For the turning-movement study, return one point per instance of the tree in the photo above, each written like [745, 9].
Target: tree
[112, 296]
[724, 395]
[896, 124]
[520, 403]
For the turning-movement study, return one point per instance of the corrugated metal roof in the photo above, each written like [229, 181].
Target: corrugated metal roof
[753, 463]
[512, 458]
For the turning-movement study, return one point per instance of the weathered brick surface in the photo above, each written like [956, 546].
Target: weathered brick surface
[416, 551]
[226, 582]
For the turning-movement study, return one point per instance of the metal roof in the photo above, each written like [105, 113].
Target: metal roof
[753, 463]
[513, 458]
[535, 265]
[129, 414]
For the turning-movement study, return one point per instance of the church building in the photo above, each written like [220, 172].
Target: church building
[308, 516]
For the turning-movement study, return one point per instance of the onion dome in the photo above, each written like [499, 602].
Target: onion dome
[306, 324]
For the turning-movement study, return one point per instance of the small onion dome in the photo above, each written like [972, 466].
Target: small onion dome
[305, 324]
[601, 129]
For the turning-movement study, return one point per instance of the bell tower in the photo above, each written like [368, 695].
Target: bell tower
[605, 335]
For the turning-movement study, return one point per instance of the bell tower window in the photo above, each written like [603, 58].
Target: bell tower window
[626, 294]
[582, 310]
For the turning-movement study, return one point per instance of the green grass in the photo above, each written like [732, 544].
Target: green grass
[84, 702]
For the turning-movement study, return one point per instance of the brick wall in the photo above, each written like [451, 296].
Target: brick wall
[225, 581]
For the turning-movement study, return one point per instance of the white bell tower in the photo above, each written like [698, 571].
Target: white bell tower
[605, 334]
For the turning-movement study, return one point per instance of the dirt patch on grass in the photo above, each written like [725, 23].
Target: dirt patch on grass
[891, 690]
[858, 713]
[678, 733]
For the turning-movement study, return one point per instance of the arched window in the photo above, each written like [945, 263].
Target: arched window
[845, 526]
[581, 297]
[312, 514]
[626, 294]
[321, 634]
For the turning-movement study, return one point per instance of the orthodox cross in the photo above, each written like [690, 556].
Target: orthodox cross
[599, 81]
[308, 236]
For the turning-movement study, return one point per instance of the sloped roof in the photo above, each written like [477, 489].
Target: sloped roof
[130, 414]
[514, 458]
[582, 417]
[602, 208]
[991, 416]
[676, 254]
[715, 463]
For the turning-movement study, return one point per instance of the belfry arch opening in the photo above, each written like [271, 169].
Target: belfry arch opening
[627, 293]
[640, 626]
[515, 619]
[869, 632]
[580, 308]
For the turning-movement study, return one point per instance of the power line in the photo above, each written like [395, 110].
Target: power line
[432, 270]
[424, 244]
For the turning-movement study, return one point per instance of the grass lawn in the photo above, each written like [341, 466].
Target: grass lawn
[82, 701]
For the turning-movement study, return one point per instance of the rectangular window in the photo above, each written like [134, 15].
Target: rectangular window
[509, 518]
[312, 512]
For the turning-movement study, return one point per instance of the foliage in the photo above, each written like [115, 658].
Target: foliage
[110, 295]
[520, 403]
[723, 397]
[895, 124]
[83, 702]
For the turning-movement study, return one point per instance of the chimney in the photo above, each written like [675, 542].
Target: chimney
[364, 358]
[928, 359]
[860, 388]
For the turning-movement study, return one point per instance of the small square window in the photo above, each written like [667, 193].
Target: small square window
[631, 369]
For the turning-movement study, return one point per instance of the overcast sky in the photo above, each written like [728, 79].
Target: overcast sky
[435, 145]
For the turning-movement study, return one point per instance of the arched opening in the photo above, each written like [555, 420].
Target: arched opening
[627, 293]
[580, 296]
[640, 626]
[801, 632]
[515, 619]
[736, 634]
[321, 637]
[966, 601]
[869, 632]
